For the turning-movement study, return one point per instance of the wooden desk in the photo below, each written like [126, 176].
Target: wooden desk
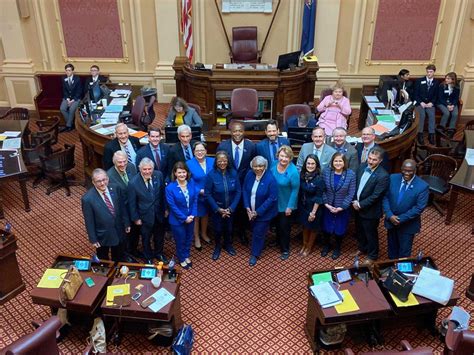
[11, 283]
[463, 181]
[276, 88]
[22, 174]
[87, 298]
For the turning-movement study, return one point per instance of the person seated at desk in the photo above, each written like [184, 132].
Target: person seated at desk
[269, 146]
[180, 113]
[448, 102]
[426, 92]
[72, 95]
[404, 87]
[105, 217]
[93, 83]
[122, 141]
[156, 150]
[334, 110]
[300, 121]
[340, 144]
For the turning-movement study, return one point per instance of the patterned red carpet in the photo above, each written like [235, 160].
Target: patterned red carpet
[233, 308]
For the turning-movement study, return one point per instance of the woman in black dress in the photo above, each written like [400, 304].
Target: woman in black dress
[310, 198]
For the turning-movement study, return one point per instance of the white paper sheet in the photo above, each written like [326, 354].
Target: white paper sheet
[470, 156]
[12, 143]
[430, 284]
[12, 134]
[162, 297]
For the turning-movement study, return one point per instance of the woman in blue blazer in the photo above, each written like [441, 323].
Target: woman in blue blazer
[339, 190]
[180, 113]
[182, 197]
[448, 101]
[260, 197]
[199, 166]
[223, 194]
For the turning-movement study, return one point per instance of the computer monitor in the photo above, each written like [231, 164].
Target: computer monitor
[287, 60]
[171, 134]
[299, 135]
[386, 83]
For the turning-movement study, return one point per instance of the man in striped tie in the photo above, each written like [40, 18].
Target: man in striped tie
[105, 217]
[122, 141]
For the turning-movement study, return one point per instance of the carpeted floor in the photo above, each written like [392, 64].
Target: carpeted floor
[233, 308]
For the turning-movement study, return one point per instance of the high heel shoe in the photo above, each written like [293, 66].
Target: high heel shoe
[207, 240]
[198, 248]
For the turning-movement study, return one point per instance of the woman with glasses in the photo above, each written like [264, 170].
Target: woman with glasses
[181, 113]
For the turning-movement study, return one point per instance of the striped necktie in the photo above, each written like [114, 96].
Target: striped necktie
[109, 203]
[129, 156]
[187, 154]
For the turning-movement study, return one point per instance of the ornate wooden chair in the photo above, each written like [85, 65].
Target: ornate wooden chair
[16, 113]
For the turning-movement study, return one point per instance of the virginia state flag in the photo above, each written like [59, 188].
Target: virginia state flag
[309, 21]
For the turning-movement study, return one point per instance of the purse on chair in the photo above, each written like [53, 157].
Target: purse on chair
[70, 285]
[398, 284]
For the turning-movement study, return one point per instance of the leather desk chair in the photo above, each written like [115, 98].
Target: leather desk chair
[41, 342]
[407, 349]
[458, 342]
[295, 110]
[244, 104]
[244, 45]
[135, 119]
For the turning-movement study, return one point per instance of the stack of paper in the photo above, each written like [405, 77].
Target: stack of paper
[116, 290]
[119, 101]
[114, 108]
[430, 284]
[371, 98]
[348, 304]
[321, 277]
[326, 294]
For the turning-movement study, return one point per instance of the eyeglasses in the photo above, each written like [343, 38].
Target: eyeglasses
[200, 151]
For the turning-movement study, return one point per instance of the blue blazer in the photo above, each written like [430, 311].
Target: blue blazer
[145, 205]
[409, 210]
[248, 154]
[266, 199]
[341, 195]
[263, 148]
[191, 118]
[73, 91]
[292, 121]
[197, 174]
[444, 96]
[178, 208]
[101, 225]
[223, 190]
[164, 158]
[425, 94]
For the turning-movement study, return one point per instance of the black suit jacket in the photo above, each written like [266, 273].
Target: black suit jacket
[73, 91]
[176, 154]
[371, 197]
[249, 153]
[112, 146]
[89, 84]
[101, 225]
[425, 93]
[164, 160]
[145, 205]
[385, 161]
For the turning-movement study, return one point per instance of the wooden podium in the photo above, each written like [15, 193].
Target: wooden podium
[11, 283]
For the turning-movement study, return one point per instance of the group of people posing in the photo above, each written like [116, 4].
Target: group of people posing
[249, 186]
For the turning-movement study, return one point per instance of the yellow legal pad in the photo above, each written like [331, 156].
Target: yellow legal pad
[52, 278]
[411, 301]
[348, 304]
[116, 290]
[2, 138]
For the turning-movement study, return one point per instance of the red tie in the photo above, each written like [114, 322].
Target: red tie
[109, 203]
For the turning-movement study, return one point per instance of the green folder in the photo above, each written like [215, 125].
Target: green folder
[386, 118]
[321, 277]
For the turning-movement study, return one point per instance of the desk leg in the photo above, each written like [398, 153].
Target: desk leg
[312, 324]
[24, 191]
[2, 214]
[451, 205]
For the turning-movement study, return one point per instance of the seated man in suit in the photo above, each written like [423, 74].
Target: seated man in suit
[300, 121]
[240, 151]
[426, 91]
[339, 143]
[155, 150]
[372, 184]
[368, 142]
[147, 208]
[105, 217]
[182, 150]
[122, 141]
[318, 147]
[93, 83]
[403, 204]
[120, 175]
[72, 96]
[269, 146]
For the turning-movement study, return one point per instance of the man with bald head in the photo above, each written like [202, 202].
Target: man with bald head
[403, 204]
[122, 141]
[364, 148]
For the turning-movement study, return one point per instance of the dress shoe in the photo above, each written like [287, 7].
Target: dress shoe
[189, 262]
[149, 261]
[335, 254]
[162, 258]
[231, 251]
[325, 251]
[184, 265]
[198, 248]
[252, 260]
[285, 255]
[420, 139]
[431, 138]
[216, 254]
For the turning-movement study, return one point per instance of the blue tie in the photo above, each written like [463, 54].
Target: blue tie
[236, 157]
[187, 154]
[402, 191]
[274, 148]
[368, 170]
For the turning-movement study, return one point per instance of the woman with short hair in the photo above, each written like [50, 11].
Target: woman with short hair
[334, 110]
[181, 113]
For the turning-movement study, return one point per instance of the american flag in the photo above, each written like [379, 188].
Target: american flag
[187, 27]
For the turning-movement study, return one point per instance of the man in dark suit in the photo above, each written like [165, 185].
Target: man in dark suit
[122, 141]
[269, 146]
[72, 95]
[182, 150]
[120, 175]
[241, 151]
[105, 217]
[403, 204]
[372, 184]
[93, 83]
[368, 142]
[426, 90]
[300, 121]
[147, 208]
[340, 144]
[157, 151]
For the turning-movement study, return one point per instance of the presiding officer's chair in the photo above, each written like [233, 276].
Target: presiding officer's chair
[406, 349]
[244, 45]
[41, 342]
[244, 104]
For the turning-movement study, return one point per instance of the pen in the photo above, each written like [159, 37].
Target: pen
[366, 279]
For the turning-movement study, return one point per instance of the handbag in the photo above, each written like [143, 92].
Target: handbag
[183, 343]
[70, 285]
[398, 284]
[97, 337]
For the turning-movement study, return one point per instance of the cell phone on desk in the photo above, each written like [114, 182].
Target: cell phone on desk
[89, 282]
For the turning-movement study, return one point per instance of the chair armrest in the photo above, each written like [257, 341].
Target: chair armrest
[348, 351]
[452, 337]
[406, 345]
